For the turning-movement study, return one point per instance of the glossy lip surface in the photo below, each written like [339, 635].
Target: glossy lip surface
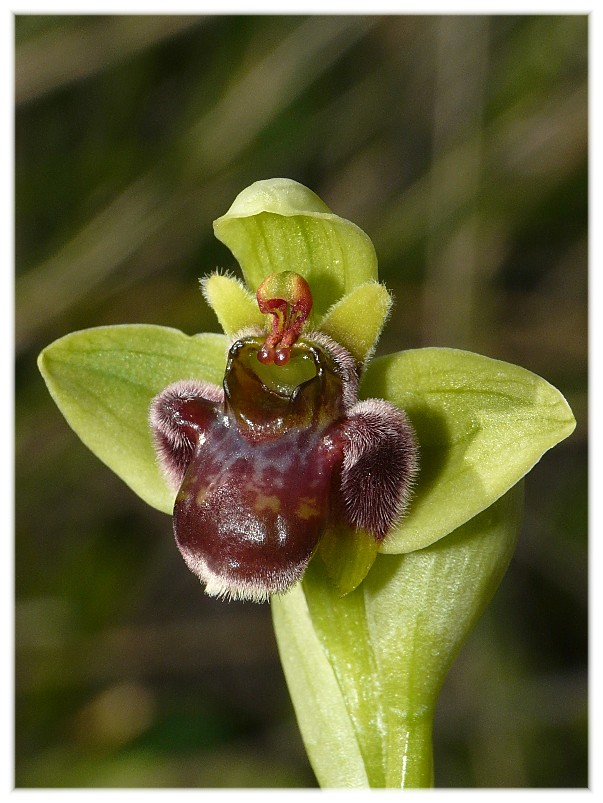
[256, 493]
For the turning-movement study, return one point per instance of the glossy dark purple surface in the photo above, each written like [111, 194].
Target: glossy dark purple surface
[263, 465]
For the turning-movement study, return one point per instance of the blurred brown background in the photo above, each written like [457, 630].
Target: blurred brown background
[459, 144]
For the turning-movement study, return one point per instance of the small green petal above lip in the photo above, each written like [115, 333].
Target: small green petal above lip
[482, 424]
[234, 305]
[357, 319]
[279, 224]
[103, 380]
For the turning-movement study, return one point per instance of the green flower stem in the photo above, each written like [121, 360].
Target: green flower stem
[383, 650]
[410, 754]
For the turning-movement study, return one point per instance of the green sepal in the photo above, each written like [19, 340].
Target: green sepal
[481, 424]
[103, 381]
[279, 224]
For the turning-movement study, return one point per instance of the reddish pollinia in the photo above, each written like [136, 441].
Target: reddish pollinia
[287, 297]
[284, 448]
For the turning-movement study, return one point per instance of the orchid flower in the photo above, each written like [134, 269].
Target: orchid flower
[375, 503]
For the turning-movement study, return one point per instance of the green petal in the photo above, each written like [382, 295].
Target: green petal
[481, 423]
[232, 302]
[357, 319]
[390, 644]
[280, 225]
[103, 380]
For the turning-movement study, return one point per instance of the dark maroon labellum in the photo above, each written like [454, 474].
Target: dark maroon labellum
[255, 495]
[263, 464]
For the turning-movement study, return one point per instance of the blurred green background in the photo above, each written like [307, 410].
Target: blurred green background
[459, 144]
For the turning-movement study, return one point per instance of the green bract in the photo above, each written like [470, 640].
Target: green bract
[374, 661]
[364, 660]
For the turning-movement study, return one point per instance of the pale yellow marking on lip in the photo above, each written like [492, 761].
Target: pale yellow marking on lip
[201, 496]
[264, 502]
[307, 508]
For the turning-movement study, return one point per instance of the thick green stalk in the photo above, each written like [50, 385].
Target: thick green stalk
[383, 650]
[410, 754]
